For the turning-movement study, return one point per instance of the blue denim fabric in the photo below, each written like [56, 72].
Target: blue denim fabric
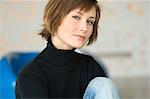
[101, 88]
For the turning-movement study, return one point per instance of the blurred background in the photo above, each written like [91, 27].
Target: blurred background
[123, 43]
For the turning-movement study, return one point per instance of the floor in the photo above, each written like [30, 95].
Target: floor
[133, 88]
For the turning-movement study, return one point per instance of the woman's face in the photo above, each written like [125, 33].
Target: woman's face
[75, 29]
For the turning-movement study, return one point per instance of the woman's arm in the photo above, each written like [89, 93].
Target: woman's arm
[30, 84]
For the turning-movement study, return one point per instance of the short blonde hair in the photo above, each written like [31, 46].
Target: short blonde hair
[56, 10]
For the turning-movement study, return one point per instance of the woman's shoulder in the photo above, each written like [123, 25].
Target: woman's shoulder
[87, 57]
[83, 54]
[29, 68]
[32, 66]
[93, 62]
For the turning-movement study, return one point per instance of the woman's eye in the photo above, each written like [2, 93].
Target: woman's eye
[90, 22]
[76, 17]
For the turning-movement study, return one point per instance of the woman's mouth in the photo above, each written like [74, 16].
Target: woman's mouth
[80, 37]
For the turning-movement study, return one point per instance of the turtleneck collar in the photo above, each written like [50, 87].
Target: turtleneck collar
[58, 51]
[58, 58]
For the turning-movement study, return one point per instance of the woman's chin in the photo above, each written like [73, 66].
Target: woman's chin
[78, 45]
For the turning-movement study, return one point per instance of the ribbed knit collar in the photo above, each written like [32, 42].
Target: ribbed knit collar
[59, 51]
[58, 58]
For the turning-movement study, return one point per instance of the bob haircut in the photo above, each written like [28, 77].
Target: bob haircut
[56, 10]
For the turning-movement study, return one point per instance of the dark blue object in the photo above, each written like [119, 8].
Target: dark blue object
[10, 66]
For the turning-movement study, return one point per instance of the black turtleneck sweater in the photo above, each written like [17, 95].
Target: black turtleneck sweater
[57, 74]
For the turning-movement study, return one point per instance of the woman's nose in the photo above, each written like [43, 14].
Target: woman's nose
[83, 26]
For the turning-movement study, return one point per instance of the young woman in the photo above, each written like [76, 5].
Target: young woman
[58, 71]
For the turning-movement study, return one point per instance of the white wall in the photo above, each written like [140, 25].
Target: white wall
[20, 22]
[123, 35]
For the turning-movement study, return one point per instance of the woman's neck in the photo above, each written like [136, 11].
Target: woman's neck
[59, 44]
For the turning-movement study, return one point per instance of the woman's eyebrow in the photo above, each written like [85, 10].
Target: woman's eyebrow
[82, 14]
[92, 17]
[78, 12]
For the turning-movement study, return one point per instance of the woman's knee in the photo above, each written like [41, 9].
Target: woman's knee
[101, 87]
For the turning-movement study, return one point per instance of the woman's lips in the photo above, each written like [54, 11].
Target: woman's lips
[80, 37]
